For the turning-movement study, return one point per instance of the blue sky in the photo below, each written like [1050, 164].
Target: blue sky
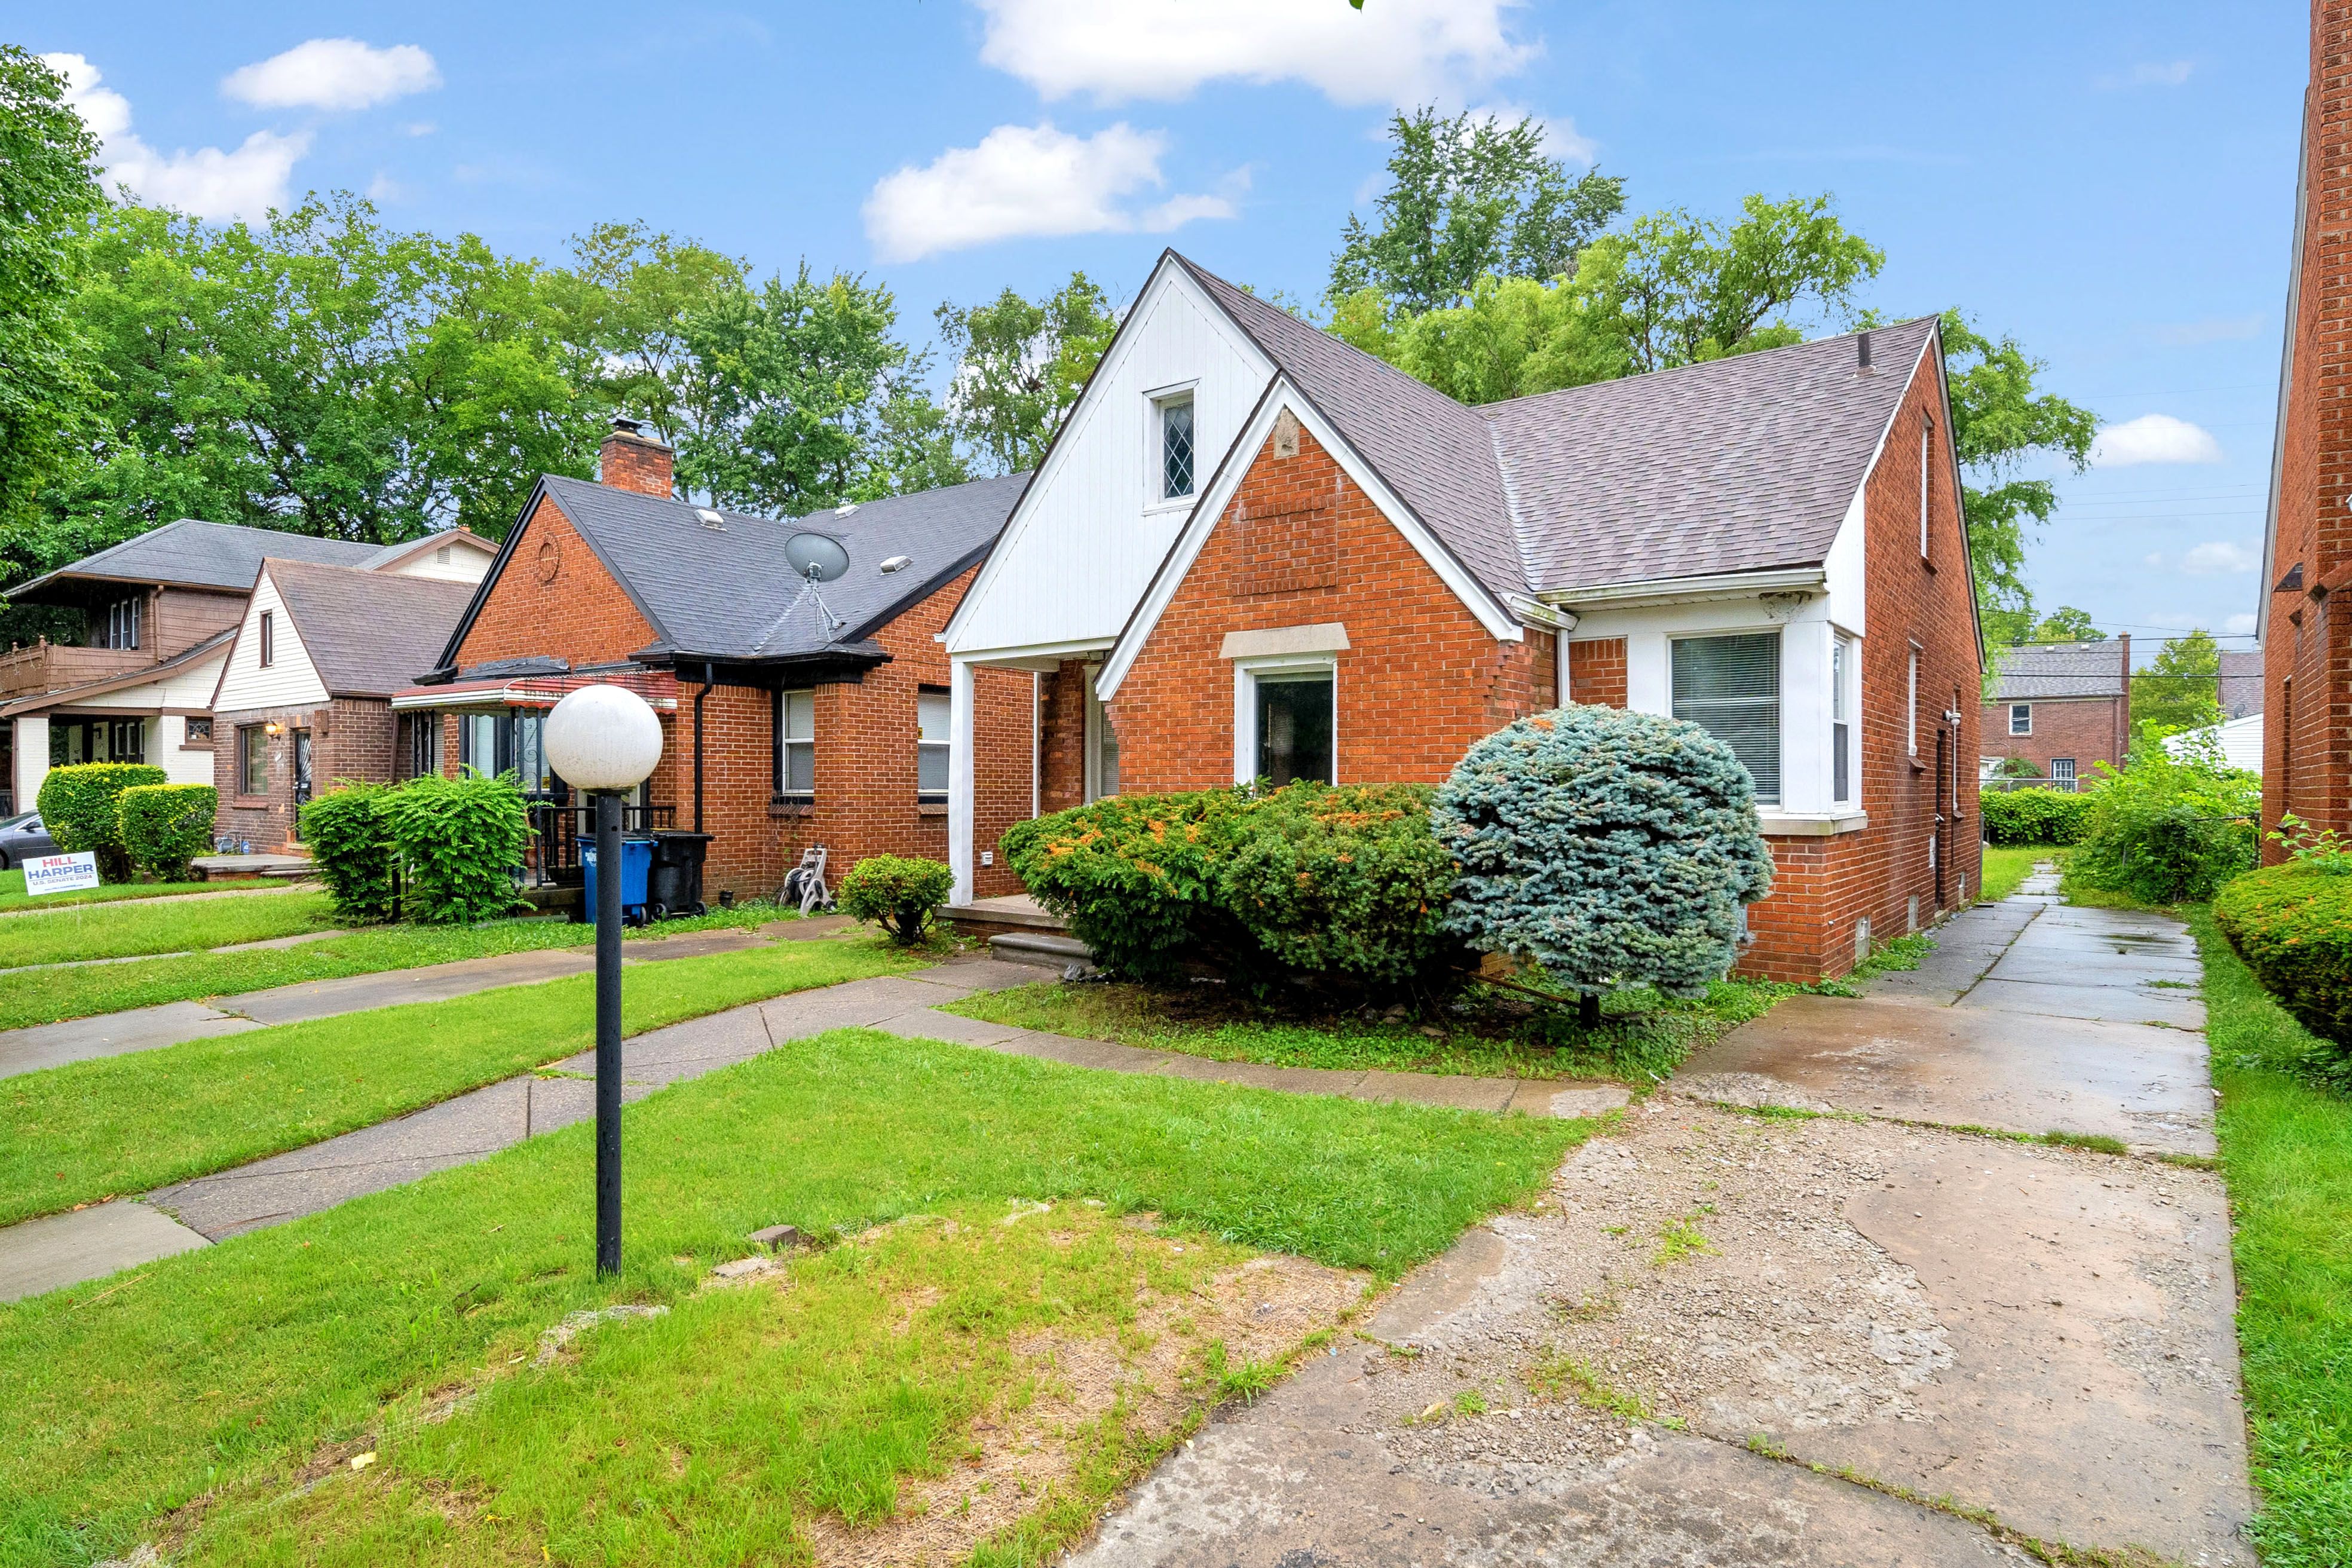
[2113, 183]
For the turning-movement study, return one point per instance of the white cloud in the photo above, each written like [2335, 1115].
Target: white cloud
[2150, 73]
[206, 183]
[2154, 438]
[333, 73]
[2203, 559]
[1031, 180]
[1391, 52]
[1561, 139]
[2239, 624]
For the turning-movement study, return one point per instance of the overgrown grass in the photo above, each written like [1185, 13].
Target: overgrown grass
[2006, 867]
[2078, 892]
[48, 996]
[1641, 1039]
[13, 896]
[2287, 1150]
[227, 1378]
[128, 928]
[91, 1130]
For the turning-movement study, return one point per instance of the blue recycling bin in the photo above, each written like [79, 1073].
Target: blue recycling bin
[636, 867]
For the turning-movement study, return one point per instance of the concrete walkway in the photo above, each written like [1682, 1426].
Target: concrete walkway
[171, 1023]
[64, 1249]
[2040, 1335]
[49, 908]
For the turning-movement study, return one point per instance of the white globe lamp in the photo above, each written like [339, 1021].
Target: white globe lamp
[604, 740]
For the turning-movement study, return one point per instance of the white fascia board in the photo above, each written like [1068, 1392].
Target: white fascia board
[1023, 655]
[1688, 590]
[1499, 621]
[1169, 274]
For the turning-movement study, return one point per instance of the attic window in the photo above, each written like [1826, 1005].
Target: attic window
[1176, 447]
[268, 638]
[441, 556]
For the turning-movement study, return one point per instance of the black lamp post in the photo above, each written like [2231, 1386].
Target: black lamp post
[604, 740]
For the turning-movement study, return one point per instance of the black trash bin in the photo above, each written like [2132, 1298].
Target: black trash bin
[674, 888]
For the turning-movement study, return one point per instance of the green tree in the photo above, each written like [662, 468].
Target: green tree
[812, 399]
[1020, 366]
[1468, 198]
[2180, 688]
[631, 291]
[2067, 624]
[1670, 290]
[2002, 424]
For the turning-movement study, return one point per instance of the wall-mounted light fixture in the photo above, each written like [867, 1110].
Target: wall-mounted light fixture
[272, 728]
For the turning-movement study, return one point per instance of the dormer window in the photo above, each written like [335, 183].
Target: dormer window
[1176, 447]
[121, 629]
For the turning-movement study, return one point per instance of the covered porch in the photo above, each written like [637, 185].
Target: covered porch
[1073, 759]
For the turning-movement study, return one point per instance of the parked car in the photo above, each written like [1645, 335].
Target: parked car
[21, 837]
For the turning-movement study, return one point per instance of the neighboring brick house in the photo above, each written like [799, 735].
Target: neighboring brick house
[2307, 541]
[1253, 551]
[304, 696]
[2063, 707]
[161, 610]
[793, 714]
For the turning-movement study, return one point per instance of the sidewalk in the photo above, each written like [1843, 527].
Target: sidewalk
[1855, 1337]
[50, 1253]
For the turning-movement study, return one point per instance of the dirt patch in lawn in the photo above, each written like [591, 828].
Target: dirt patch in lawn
[1087, 1402]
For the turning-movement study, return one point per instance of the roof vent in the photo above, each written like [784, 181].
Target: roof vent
[844, 508]
[897, 563]
[1861, 353]
[709, 518]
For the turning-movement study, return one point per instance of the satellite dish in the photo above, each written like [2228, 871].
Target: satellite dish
[816, 557]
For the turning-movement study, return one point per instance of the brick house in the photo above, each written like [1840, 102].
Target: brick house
[161, 609]
[793, 714]
[1252, 551]
[305, 695]
[2307, 539]
[2063, 707]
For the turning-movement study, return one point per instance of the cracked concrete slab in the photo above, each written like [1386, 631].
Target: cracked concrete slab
[63, 1249]
[391, 987]
[114, 1034]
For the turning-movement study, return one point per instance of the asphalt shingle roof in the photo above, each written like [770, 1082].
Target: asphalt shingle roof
[368, 634]
[196, 554]
[725, 590]
[2057, 670]
[2242, 683]
[1743, 464]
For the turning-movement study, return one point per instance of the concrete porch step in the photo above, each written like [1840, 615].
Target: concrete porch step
[1009, 913]
[1043, 949]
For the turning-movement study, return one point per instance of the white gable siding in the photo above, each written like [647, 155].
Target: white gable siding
[290, 681]
[466, 564]
[1086, 538]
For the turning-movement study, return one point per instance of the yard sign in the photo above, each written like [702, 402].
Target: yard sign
[60, 873]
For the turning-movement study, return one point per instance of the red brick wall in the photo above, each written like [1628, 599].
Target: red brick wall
[2083, 728]
[1062, 738]
[350, 737]
[631, 462]
[1421, 679]
[2307, 654]
[569, 606]
[1596, 672]
[1823, 886]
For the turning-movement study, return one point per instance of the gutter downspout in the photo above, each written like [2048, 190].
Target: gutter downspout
[708, 682]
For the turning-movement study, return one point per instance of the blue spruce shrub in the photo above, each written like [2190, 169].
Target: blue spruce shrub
[1611, 848]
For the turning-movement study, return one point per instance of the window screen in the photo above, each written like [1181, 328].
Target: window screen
[796, 745]
[1294, 727]
[1176, 448]
[933, 712]
[1730, 687]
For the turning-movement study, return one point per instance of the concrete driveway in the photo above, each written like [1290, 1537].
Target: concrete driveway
[1841, 1330]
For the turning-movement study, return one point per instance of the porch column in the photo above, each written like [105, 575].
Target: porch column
[960, 777]
[32, 759]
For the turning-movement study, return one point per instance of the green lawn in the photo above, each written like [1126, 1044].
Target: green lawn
[2007, 866]
[127, 928]
[233, 1377]
[45, 996]
[2286, 1149]
[1643, 1038]
[13, 896]
[90, 1130]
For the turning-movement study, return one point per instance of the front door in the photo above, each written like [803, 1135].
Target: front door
[301, 778]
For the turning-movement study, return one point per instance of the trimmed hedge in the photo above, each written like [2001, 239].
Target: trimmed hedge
[460, 845]
[349, 831]
[166, 825]
[2293, 925]
[899, 893]
[2033, 815]
[1611, 847]
[80, 806]
[1302, 883]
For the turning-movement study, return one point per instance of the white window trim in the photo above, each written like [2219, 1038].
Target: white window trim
[1911, 712]
[1246, 676]
[780, 761]
[1153, 401]
[935, 796]
[1780, 703]
[1849, 696]
[2029, 718]
[1927, 472]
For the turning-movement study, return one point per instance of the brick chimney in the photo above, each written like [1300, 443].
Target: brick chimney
[632, 460]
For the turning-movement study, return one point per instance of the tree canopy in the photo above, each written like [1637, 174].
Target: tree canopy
[1020, 366]
[2180, 688]
[49, 191]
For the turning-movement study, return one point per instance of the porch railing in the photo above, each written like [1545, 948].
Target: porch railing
[557, 830]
